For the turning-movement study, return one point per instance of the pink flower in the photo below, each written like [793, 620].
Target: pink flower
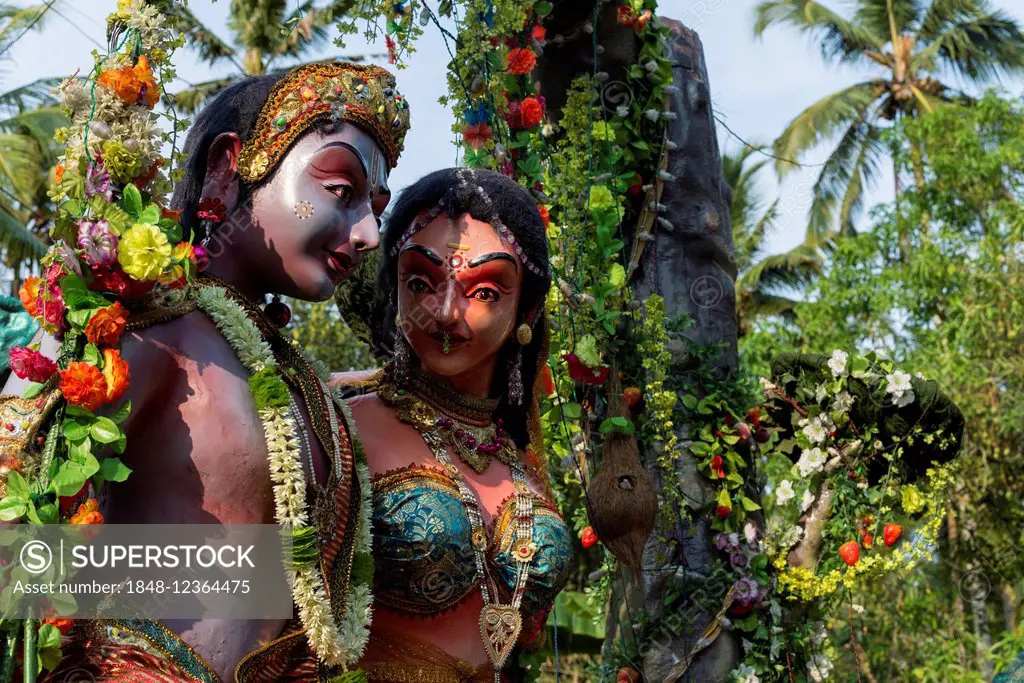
[31, 365]
[99, 243]
[51, 306]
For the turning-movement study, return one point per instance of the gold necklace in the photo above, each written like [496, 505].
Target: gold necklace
[464, 423]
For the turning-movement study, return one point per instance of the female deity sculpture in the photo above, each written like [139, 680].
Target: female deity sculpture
[285, 180]
[469, 551]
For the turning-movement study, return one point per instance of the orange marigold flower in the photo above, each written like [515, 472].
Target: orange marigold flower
[106, 325]
[83, 385]
[61, 624]
[122, 82]
[149, 92]
[532, 111]
[58, 172]
[521, 61]
[88, 513]
[29, 295]
[115, 374]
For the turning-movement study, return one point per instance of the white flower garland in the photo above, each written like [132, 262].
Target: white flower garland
[335, 645]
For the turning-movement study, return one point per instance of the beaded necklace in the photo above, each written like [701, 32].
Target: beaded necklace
[500, 623]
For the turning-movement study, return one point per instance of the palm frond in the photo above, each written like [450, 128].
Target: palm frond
[256, 24]
[981, 47]
[30, 96]
[309, 27]
[838, 192]
[17, 241]
[17, 19]
[753, 305]
[874, 15]
[841, 39]
[793, 268]
[189, 101]
[823, 119]
[22, 166]
[205, 42]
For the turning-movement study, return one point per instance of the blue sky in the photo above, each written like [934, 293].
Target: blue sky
[757, 86]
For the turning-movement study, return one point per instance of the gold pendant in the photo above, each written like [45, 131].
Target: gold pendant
[499, 627]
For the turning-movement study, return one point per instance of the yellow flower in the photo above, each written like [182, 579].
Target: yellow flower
[144, 251]
[601, 198]
[913, 501]
[602, 131]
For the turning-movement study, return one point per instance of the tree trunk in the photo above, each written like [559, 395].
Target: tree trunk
[691, 266]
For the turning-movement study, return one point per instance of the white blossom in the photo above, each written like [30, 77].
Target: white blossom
[750, 532]
[819, 668]
[837, 363]
[897, 384]
[811, 462]
[806, 501]
[859, 609]
[815, 431]
[821, 392]
[746, 674]
[843, 401]
[784, 493]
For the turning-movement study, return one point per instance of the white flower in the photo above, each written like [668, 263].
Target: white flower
[821, 393]
[897, 384]
[811, 462]
[622, 111]
[815, 431]
[820, 634]
[859, 609]
[819, 668]
[806, 501]
[906, 399]
[750, 532]
[862, 485]
[746, 674]
[791, 536]
[837, 363]
[767, 384]
[882, 354]
[785, 492]
[843, 401]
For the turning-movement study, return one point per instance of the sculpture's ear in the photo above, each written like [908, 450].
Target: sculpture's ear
[222, 180]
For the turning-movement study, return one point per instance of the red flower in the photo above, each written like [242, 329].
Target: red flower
[547, 381]
[545, 215]
[635, 190]
[69, 503]
[531, 111]
[83, 385]
[850, 552]
[392, 49]
[211, 208]
[521, 61]
[891, 533]
[115, 375]
[717, 467]
[31, 365]
[626, 16]
[117, 282]
[582, 373]
[539, 33]
[588, 537]
[723, 511]
[477, 136]
[150, 175]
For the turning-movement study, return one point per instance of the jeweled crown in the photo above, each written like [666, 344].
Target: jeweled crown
[327, 91]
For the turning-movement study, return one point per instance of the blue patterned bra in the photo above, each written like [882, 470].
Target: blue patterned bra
[423, 552]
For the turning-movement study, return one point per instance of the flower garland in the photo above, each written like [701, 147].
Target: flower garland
[113, 241]
[336, 644]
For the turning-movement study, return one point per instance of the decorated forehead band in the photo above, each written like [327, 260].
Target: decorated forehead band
[465, 177]
[313, 94]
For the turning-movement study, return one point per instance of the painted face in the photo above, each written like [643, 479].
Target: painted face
[320, 212]
[458, 293]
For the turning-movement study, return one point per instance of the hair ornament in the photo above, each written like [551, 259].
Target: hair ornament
[312, 94]
[466, 182]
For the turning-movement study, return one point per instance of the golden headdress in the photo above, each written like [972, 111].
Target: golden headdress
[315, 93]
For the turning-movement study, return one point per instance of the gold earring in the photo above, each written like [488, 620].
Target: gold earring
[524, 334]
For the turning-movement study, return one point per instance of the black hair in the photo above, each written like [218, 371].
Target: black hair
[234, 110]
[517, 210]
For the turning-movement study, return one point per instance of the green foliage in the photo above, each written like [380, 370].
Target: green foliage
[915, 42]
[939, 282]
[320, 329]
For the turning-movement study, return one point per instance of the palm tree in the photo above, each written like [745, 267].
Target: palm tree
[915, 42]
[29, 117]
[762, 279]
[264, 32]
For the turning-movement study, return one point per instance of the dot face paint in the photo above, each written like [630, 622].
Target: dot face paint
[458, 295]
